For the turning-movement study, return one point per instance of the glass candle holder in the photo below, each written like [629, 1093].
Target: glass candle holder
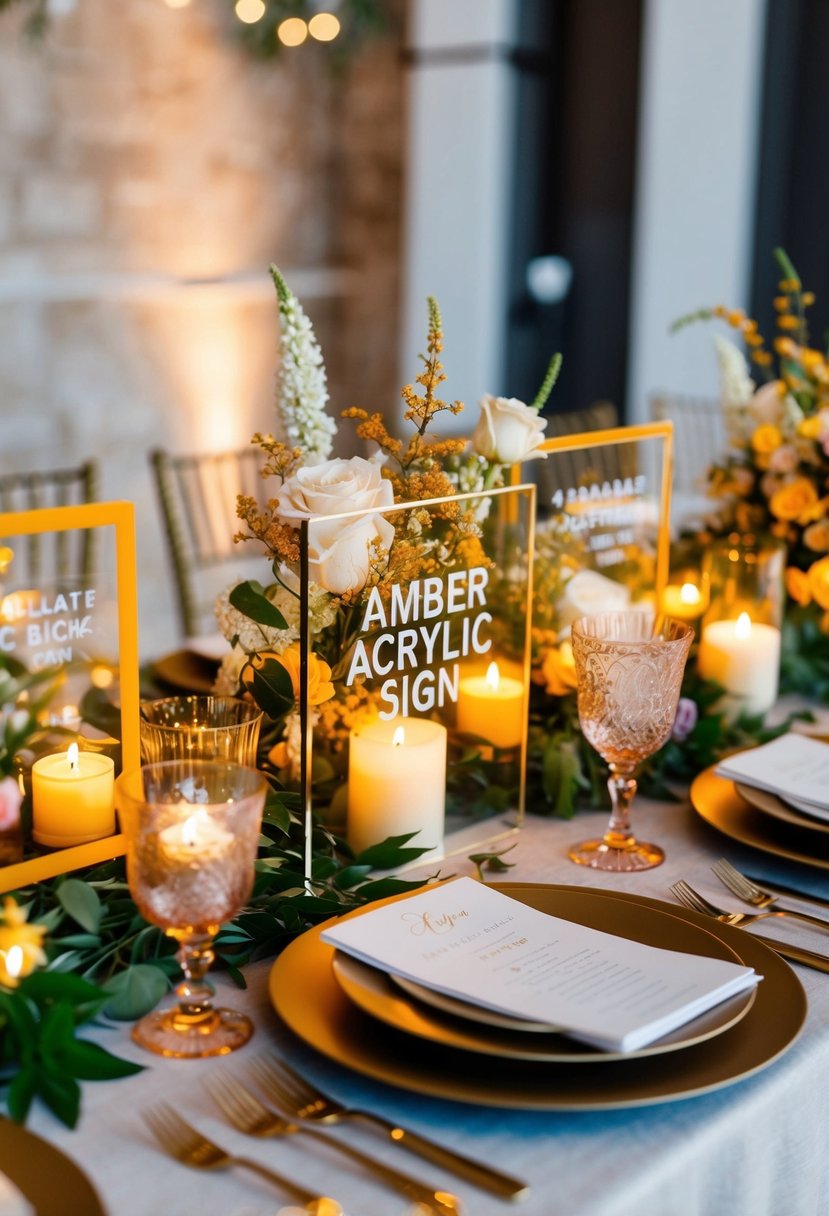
[192, 831]
[741, 630]
[200, 728]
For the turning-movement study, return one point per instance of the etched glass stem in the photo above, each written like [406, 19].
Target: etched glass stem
[622, 786]
[195, 995]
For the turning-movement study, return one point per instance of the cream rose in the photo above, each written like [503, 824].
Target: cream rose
[508, 431]
[340, 553]
[588, 592]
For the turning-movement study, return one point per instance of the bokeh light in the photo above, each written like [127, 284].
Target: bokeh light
[292, 31]
[324, 27]
[250, 11]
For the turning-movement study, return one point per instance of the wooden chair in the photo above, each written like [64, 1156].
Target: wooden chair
[197, 497]
[54, 556]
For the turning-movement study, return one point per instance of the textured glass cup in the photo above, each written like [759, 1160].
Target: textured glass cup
[629, 677]
[200, 728]
[192, 831]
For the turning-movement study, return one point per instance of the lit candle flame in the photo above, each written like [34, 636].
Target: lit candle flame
[72, 757]
[743, 627]
[493, 677]
[14, 961]
[689, 594]
[190, 830]
[399, 737]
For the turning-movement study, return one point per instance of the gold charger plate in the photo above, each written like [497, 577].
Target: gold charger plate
[186, 671]
[308, 999]
[716, 800]
[770, 804]
[50, 1180]
[374, 992]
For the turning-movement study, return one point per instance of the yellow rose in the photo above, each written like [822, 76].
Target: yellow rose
[766, 439]
[795, 499]
[320, 687]
[559, 670]
[819, 582]
[816, 536]
[810, 428]
[797, 585]
[21, 945]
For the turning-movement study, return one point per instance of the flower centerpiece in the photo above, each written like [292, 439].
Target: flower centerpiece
[423, 509]
[774, 477]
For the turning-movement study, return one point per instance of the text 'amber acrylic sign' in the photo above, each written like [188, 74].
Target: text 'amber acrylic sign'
[68, 685]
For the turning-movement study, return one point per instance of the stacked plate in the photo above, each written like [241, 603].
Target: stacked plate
[406, 1035]
[762, 820]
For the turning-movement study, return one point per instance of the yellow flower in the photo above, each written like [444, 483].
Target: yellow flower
[795, 499]
[6, 558]
[279, 755]
[810, 428]
[320, 687]
[21, 944]
[766, 438]
[559, 670]
[819, 582]
[797, 585]
[816, 536]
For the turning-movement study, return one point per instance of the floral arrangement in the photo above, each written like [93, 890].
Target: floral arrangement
[352, 560]
[775, 476]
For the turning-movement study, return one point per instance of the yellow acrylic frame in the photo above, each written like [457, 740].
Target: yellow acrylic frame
[121, 517]
[624, 435]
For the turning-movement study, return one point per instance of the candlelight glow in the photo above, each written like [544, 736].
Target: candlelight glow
[250, 11]
[6, 557]
[324, 27]
[689, 594]
[493, 677]
[14, 961]
[743, 627]
[399, 737]
[72, 756]
[292, 31]
[190, 830]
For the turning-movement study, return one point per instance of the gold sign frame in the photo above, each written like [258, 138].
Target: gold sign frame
[121, 517]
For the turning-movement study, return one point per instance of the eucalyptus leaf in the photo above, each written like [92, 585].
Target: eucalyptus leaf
[60, 1092]
[135, 991]
[89, 1062]
[81, 902]
[249, 598]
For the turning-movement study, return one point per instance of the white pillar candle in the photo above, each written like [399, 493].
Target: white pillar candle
[492, 707]
[397, 782]
[744, 657]
[73, 798]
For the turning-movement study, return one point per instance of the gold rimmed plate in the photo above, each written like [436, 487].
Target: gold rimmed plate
[795, 813]
[375, 993]
[186, 671]
[50, 1180]
[333, 1025]
[463, 1009]
[716, 800]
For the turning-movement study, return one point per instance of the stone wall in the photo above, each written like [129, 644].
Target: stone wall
[150, 170]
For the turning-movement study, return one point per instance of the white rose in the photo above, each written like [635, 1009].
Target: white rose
[331, 487]
[340, 553]
[588, 592]
[508, 431]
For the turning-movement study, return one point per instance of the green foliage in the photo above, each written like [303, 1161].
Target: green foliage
[249, 598]
[39, 1053]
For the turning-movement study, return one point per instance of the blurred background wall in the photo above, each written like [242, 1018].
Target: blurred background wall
[561, 174]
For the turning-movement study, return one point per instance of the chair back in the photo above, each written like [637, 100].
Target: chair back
[578, 467]
[197, 497]
[54, 556]
[699, 436]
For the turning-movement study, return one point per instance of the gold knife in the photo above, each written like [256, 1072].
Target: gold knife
[796, 954]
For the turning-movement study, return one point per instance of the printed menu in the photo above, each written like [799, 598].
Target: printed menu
[469, 941]
[792, 766]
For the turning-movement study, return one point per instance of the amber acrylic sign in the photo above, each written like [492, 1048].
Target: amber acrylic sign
[68, 685]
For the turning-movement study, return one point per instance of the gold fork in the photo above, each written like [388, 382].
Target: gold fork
[181, 1140]
[692, 899]
[748, 891]
[249, 1115]
[303, 1101]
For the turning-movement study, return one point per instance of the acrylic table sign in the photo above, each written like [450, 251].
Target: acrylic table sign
[603, 534]
[425, 626]
[68, 685]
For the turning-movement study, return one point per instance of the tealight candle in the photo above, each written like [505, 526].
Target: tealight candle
[682, 601]
[72, 798]
[492, 707]
[397, 782]
[744, 657]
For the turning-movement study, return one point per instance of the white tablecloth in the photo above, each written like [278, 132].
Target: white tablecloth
[757, 1148]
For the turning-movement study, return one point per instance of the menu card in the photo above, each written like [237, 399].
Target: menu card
[467, 940]
[791, 766]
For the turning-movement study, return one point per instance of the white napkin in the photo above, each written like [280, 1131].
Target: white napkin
[793, 766]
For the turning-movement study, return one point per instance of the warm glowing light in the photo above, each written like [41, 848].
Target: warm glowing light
[689, 594]
[190, 830]
[399, 737]
[72, 756]
[493, 677]
[14, 961]
[6, 557]
[743, 627]
[324, 27]
[177, 3]
[292, 31]
[101, 677]
[250, 11]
